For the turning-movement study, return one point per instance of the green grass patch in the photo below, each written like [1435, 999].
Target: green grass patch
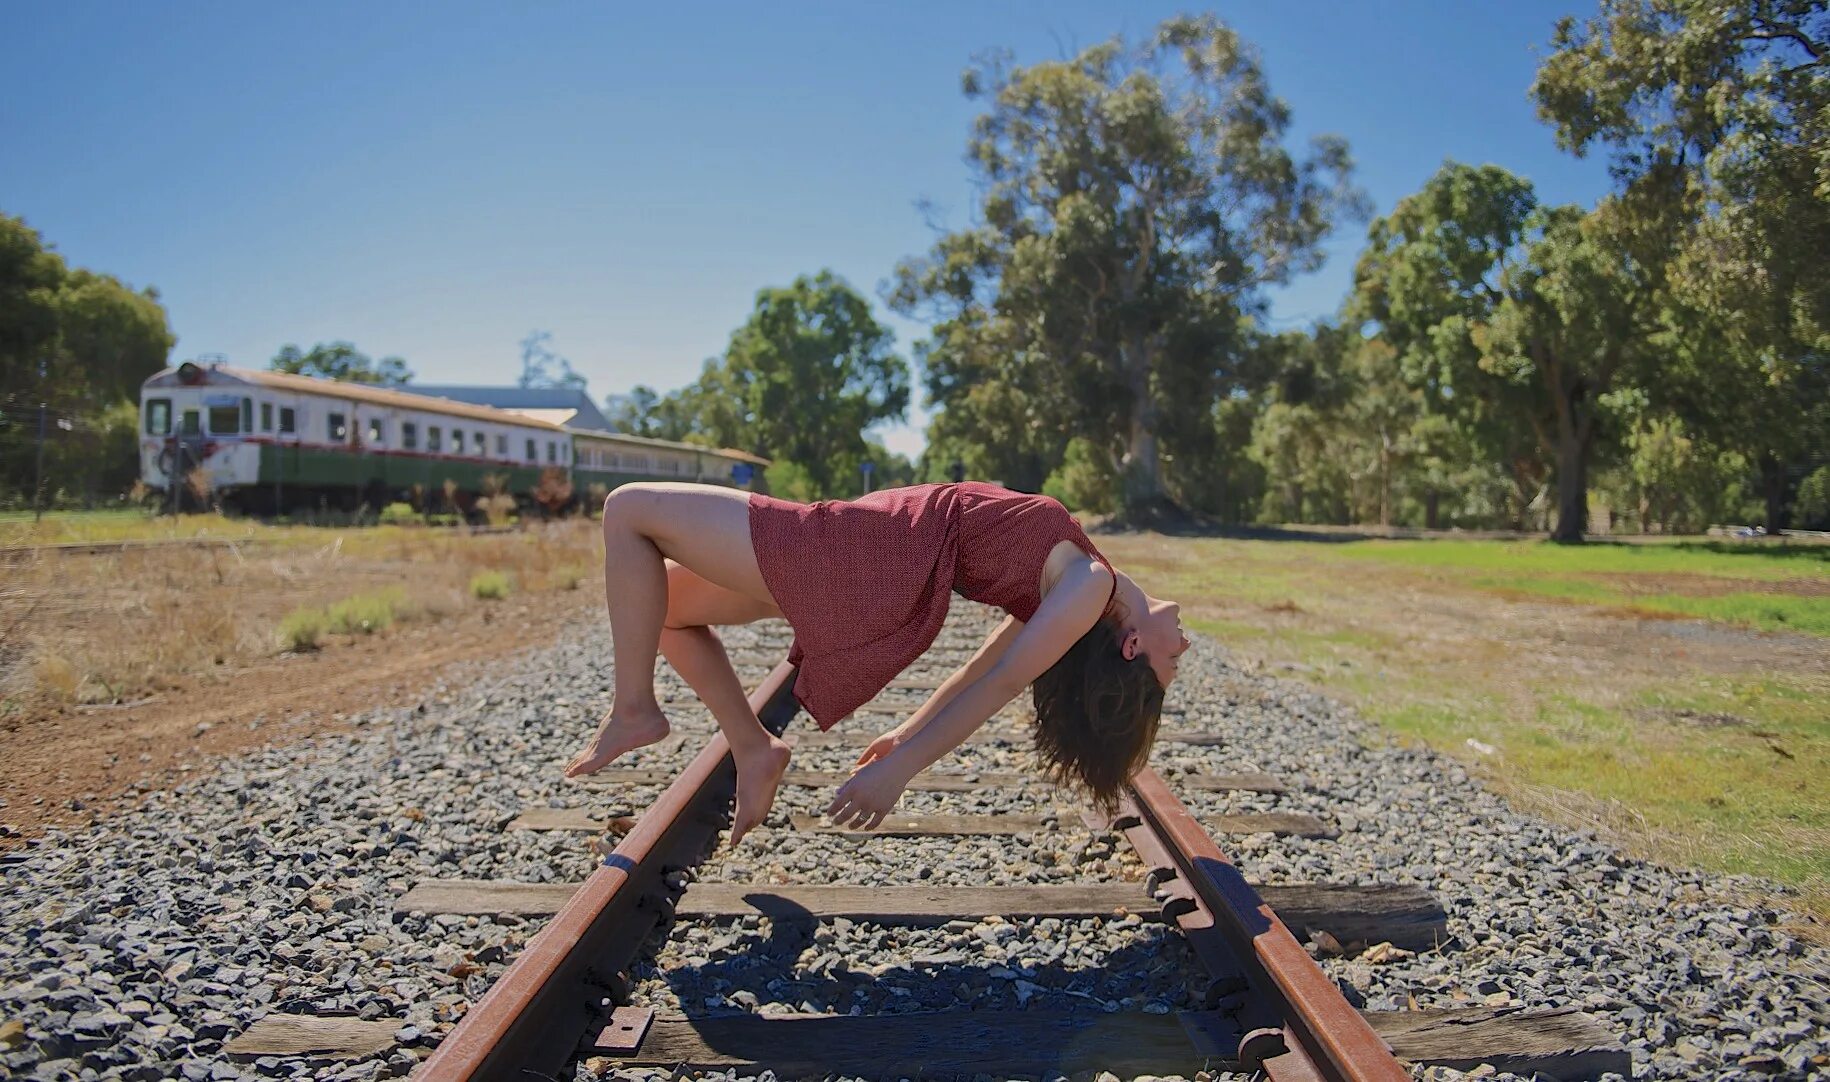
[1769, 562]
[302, 629]
[489, 585]
[1723, 769]
[365, 614]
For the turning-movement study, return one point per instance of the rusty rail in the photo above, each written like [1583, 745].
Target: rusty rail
[559, 988]
[1322, 1036]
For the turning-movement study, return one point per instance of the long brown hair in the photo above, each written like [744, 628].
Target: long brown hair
[1096, 713]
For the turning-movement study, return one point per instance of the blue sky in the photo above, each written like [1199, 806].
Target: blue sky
[434, 181]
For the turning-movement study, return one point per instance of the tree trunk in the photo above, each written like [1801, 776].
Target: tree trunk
[1432, 501]
[1143, 476]
[1572, 482]
[1773, 486]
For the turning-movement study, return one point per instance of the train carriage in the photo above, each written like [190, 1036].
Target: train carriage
[269, 441]
[604, 460]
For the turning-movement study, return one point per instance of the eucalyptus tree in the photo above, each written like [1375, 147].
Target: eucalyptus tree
[1518, 321]
[1716, 115]
[1136, 200]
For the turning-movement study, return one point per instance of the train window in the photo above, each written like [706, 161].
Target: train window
[336, 427]
[158, 417]
[377, 434]
[191, 424]
[638, 463]
[266, 416]
[432, 438]
[409, 435]
[288, 419]
[531, 456]
[457, 441]
[247, 415]
[479, 443]
[552, 452]
[501, 445]
[225, 420]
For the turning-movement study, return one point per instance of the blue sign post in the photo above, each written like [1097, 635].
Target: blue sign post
[743, 472]
[868, 468]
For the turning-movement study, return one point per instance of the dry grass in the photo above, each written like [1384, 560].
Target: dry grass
[118, 627]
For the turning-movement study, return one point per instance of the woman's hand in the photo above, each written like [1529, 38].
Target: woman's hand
[883, 745]
[869, 794]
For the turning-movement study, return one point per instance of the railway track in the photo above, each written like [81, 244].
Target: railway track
[586, 997]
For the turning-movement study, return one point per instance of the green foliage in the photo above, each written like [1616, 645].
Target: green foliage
[398, 514]
[1716, 117]
[365, 614]
[802, 380]
[302, 629]
[489, 585]
[789, 480]
[1137, 199]
[80, 343]
[341, 360]
[1086, 480]
[1813, 506]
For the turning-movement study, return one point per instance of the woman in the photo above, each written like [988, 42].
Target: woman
[865, 585]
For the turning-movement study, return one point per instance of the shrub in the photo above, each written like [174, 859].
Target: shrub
[1086, 480]
[568, 576]
[302, 628]
[397, 514]
[489, 585]
[364, 614]
[1813, 507]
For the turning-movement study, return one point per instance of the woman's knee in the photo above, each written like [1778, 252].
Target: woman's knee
[626, 506]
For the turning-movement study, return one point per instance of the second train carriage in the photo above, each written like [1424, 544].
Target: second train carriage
[265, 441]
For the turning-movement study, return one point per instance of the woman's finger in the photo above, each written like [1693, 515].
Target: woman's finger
[876, 821]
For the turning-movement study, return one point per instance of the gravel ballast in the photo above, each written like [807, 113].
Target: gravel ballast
[135, 949]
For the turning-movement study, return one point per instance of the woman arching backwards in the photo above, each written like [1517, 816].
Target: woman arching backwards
[865, 585]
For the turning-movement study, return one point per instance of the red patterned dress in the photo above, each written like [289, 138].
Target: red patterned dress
[865, 583]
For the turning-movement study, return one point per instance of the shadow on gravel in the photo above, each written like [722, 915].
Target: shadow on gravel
[763, 963]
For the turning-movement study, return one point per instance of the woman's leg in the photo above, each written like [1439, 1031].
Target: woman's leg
[707, 531]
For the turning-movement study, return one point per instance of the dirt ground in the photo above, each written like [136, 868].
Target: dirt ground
[71, 767]
[128, 670]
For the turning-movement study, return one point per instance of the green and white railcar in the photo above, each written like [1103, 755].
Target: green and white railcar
[608, 459]
[269, 440]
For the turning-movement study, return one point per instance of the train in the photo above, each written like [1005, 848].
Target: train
[273, 442]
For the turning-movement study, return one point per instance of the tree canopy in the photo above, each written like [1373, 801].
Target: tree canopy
[341, 360]
[1137, 198]
[804, 378]
[80, 343]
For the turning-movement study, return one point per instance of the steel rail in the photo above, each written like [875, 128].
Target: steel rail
[534, 1016]
[1324, 1037]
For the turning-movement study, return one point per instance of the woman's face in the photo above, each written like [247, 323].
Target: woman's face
[1160, 637]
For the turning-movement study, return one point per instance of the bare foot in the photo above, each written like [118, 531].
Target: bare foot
[758, 776]
[621, 731]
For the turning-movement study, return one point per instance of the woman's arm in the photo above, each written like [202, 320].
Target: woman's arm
[979, 664]
[1069, 610]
